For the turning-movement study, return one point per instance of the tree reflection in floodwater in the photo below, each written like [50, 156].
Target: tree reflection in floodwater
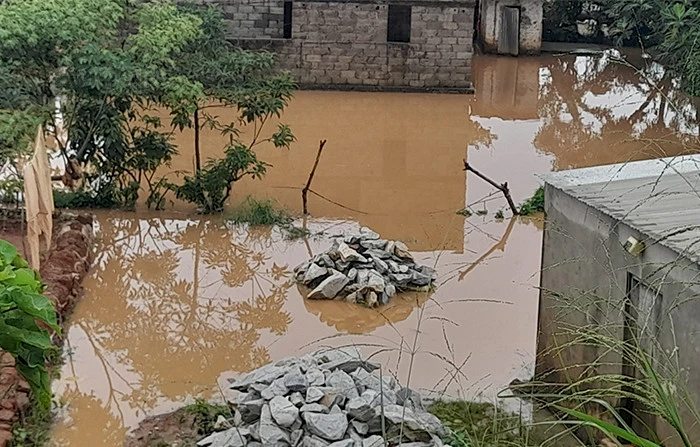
[583, 110]
[186, 290]
[595, 110]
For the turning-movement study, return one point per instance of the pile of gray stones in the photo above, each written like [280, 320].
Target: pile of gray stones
[364, 269]
[327, 398]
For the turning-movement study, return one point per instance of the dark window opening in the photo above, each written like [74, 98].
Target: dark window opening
[399, 24]
[287, 24]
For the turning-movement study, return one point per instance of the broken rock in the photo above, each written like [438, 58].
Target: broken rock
[327, 426]
[330, 287]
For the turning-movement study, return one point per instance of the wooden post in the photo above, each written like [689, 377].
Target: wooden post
[305, 191]
[197, 157]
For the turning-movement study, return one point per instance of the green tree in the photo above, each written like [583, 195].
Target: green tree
[669, 29]
[106, 66]
[101, 64]
[222, 75]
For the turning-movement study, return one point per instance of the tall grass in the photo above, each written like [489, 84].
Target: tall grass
[601, 401]
[479, 424]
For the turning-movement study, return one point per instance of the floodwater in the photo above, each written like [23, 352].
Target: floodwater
[175, 302]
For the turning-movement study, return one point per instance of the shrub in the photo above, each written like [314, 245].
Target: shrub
[464, 212]
[21, 307]
[82, 198]
[534, 204]
[210, 187]
[259, 212]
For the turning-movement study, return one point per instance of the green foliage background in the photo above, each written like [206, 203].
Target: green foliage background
[114, 66]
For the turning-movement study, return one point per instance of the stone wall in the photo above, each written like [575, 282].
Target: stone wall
[342, 44]
[530, 24]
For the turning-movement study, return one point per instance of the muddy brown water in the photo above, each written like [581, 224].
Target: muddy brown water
[175, 301]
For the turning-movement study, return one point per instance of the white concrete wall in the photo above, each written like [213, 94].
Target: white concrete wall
[530, 24]
[584, 282]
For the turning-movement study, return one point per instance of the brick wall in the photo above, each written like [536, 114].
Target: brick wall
[251, 19]
[343, 44]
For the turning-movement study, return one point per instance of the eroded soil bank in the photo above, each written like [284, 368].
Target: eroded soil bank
[63, 268]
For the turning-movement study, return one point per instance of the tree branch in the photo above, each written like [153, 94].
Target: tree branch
[503, 187]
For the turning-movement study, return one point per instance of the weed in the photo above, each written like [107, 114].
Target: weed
[259, 212]
[33, 428]
[481, 212]
[205, 415]
[534, 204]
[292, 232]
[480, 425]
[499, 215]
[464, 212]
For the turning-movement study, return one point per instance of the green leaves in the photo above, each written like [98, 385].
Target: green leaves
[112, 62]
[21, 307]
[610, 429]
[211, 186]
[8, 252]
[670, 28]
[39, 382]
[283, 137]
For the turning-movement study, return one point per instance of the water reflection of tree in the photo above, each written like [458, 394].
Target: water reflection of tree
[172, 307]
[103, 426]
[581, 133]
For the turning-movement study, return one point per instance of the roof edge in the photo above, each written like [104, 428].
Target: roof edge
[622, 171]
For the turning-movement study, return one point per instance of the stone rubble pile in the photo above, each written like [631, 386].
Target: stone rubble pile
[362, 268]
[327, 398]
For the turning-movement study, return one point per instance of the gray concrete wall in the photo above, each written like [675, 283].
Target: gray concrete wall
[584, 283]
[343, 44]
[530, 24]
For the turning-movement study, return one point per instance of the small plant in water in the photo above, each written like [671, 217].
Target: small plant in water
[482, 212]
[534, 204]
[499, 215]
[464, 212]
[293, 232]
[259, 212]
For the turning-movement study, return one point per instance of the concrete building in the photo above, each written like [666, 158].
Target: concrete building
[361, 44]
[510, 26]
[621, 255]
